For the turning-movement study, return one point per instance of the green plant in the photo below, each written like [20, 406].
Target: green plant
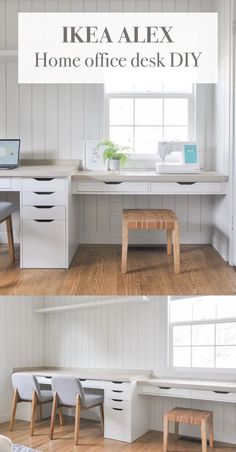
[113, 151]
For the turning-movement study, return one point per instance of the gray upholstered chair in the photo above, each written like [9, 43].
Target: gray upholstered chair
[27, 389]
[6, 210]
[68, 391]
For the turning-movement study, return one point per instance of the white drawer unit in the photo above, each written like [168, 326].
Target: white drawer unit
[44, 184]
[44, 243]
[118, 393]
[215, 396]
[117, 423]
[197, 188]
[118, 385]
[44, 212]
[44, 198]
[118, 403]
[165, 391]
[5, 182]
[112, 187]
[90, 383]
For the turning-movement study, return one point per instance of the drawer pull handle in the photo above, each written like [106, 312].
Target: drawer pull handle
[117, 391]
[221, 392]
[113, 183]
[44, 192]
[117, 400]
[44, 207]
[164, 387]
[82, 379]
[44, 179]
[117, 409]
[186, 183]
[117, 382]
[44, 221]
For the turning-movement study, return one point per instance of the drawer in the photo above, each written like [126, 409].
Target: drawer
[217, 396]
[117, 403]
[44, 199]
[188, 188]
[118, 386]
[43, 244]
[5, 182]
[44, 212]
[43, 184]
[90, 383]
[164, 391]
[105, 187]
[118, 393]
[117, 424]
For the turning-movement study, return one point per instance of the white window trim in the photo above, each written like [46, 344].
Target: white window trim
[191, 113]
[187, 372]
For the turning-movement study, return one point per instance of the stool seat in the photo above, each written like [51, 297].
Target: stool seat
[6, 209]
[163, 219]
[192, 417]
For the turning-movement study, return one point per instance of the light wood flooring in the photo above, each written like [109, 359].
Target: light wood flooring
[91, 440]
[96, 270]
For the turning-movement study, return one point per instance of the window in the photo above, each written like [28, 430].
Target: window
[202, 333]
[139, 118]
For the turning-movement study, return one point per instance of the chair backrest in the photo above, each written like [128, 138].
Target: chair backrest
[67, 388]
[25, 384]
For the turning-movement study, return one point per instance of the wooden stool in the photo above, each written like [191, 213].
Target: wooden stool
[151, 219]
[189, 416]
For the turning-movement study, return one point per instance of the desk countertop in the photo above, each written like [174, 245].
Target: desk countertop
[148, 176]
[55, 169]
[207, 385]
[90, 374]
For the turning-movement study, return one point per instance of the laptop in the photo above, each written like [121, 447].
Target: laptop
[9, 154]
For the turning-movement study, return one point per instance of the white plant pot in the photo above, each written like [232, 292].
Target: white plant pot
[114, 165]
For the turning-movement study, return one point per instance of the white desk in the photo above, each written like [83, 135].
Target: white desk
[49, 210]
[126, 413]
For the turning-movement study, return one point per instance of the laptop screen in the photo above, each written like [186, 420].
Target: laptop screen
[9, 153]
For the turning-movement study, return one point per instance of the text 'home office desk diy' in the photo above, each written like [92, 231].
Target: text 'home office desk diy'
[49, 209]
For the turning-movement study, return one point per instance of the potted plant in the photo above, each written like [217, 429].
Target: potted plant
[114, 154]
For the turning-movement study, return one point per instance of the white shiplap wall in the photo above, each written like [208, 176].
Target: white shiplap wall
[125, 336]
[53, 121]
[21, 343]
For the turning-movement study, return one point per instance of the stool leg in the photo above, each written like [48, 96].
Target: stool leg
[169, 241]
[176, 430]
[165, 434]
[176, 248]
[211, 431]
[124, 247]
[10, 238]
[204, 436]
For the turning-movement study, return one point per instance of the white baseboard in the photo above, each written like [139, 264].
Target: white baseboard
[220, 244]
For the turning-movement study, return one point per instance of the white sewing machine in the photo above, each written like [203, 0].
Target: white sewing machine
[178, 157]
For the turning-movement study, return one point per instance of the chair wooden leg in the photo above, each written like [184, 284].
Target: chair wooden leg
[77, 420]
[169, 241]
[165, 434]
[53, 415]
[125, 234]
[61, 420]
[176, 248]
[14, 406]
[176, 430]
[33, 412]
[10, 238]
[102, 416]
[211, 432]
[204, 436]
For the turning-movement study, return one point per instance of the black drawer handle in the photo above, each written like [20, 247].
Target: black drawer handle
[44, 179]
[221, 392]
[117, 409]
[117, 382]
[44, 221]
[164, 387]
[113, 183]
[117, 391]
[44, 207]
[186, 183]
[117, 400]
[44, 192]
[82, 379]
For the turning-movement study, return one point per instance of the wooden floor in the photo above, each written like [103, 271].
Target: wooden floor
[92, 440]
[96, 270]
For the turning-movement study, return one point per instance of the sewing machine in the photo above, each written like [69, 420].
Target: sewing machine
[178, 157]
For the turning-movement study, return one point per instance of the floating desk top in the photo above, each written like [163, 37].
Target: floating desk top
[148, 176]
[224, 386]
[91, 374]
[42, 169]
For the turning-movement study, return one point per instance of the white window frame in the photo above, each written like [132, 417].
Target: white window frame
[192, 372]
[191, 97]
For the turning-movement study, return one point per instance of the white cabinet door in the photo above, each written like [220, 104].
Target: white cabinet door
[117, 424]
[43, 244]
